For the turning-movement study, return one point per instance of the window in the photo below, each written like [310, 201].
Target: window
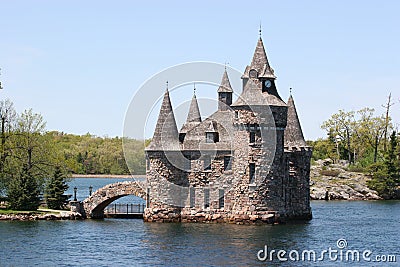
[207, 163]
[252, 172]
[148, 197]
[182, 137]
[147, 163]
[192, 196]
[252, 137]
[236, 114]
[221, 200]
[211, 137]
[227, 163]
[222, 97]
[206, 197]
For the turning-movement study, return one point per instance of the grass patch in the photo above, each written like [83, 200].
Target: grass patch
[356, 168]
[16, 212]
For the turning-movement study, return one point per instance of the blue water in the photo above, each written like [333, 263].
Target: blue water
[369, 225]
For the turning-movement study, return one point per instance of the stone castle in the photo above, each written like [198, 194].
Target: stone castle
[246, 163]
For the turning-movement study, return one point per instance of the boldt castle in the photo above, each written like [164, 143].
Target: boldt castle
[246, 163]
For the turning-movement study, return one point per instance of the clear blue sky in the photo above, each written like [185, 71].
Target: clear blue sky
[78, 63]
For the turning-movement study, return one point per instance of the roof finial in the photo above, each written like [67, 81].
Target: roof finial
[290, 90]
[260, 29]
[226, 63]
[194, 88]
[167, 84]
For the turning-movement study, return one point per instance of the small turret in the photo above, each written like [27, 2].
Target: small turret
[193, 119]
[224, 93]
[293, 133]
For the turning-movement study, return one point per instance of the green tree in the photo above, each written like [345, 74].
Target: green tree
[33, 154]
[385, 176]
[23, 191]
[370, 130]
[55, 189]
[341, 126]
[7, 121]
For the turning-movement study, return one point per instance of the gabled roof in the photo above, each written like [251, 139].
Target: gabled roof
[225, 86]
[166, 133]
[260, 63]
[219, 122]
[293, 133]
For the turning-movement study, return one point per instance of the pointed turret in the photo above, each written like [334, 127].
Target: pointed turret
[224, 93]
[166, 133]
[225, 86]
[259, 64]
[293, 133]
[194, 111]
[193, 119]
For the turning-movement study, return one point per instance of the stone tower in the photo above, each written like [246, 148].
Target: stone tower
[260, 121]
[246, 163]
[298, 157]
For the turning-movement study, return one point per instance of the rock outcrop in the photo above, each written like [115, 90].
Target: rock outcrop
[330, 181]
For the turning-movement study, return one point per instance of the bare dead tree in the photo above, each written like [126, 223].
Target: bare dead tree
[387, 107]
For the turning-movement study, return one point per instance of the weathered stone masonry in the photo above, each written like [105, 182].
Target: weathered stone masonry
[246, 163]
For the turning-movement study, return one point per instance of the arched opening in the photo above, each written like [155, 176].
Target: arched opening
[121, 206]
[129, 206]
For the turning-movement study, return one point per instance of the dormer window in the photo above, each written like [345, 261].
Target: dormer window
[211, 137]
[253, 73]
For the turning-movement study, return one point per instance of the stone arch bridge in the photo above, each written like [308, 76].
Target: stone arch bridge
[93, 206]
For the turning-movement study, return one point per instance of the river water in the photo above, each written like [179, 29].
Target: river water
[361, 226]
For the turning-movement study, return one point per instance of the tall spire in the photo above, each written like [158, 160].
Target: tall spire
[166, 133]
[194, 111]
[193, 119]
[293, 133]
[260, 62]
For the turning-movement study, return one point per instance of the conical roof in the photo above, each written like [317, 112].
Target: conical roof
[194, 111]
[260, 63]
[194, 117]
[225, 86]
[166, 133]
[293, 133]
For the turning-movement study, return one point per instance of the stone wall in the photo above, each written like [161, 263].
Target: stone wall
[93, 206]
[279, 191]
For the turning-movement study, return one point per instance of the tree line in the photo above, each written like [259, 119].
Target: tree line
[36, 163]
[368, 142]
[90, 154]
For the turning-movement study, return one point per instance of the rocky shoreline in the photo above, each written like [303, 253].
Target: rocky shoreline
[330, 181]
[67, 215]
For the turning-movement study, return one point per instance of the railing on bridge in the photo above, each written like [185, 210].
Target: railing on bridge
[119, 210]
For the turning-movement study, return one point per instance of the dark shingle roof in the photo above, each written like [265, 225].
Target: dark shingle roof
[225, 86]
[293, 133]
[193, 118]
[260, 63]
[166, 133]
